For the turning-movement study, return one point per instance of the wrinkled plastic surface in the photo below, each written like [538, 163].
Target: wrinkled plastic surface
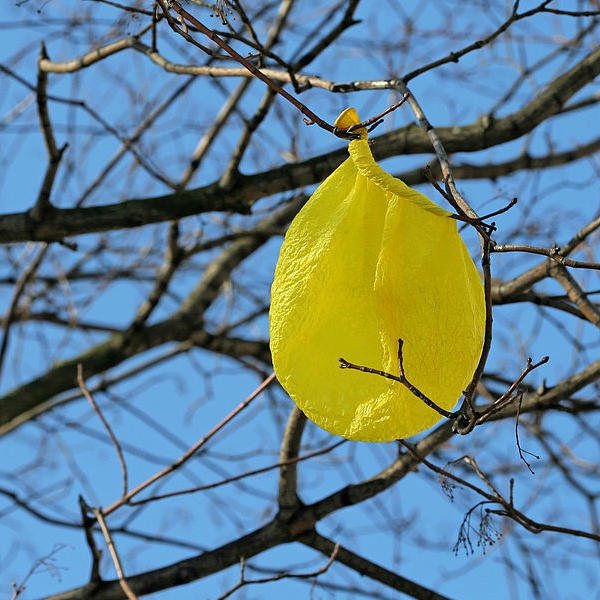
[367, 261]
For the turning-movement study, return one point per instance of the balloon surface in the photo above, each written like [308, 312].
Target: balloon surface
[366, 262]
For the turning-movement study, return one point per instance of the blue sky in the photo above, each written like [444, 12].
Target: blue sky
[160, 413]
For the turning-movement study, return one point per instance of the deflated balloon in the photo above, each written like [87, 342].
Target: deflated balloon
[366, 262]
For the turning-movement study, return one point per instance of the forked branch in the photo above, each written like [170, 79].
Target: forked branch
[400, 378]
[312, 118]
[465, 419]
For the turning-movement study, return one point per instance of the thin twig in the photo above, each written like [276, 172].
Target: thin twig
[440, 151]
[521, 451]
[113, 437]
[509, 395]
[24, 278]
[44, 564]
[189, 453]
[128, 144]
[279, 576]
[524, 282]
[553, 253]
[210, 486]
[114, 554]
[454, 57]
[174, 255]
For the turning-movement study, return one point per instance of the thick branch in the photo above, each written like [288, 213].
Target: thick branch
[36, 396]
[61, 223]
[185, 571]
[374, 571]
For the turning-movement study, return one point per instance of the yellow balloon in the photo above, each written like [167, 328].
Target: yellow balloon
[368, 261]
